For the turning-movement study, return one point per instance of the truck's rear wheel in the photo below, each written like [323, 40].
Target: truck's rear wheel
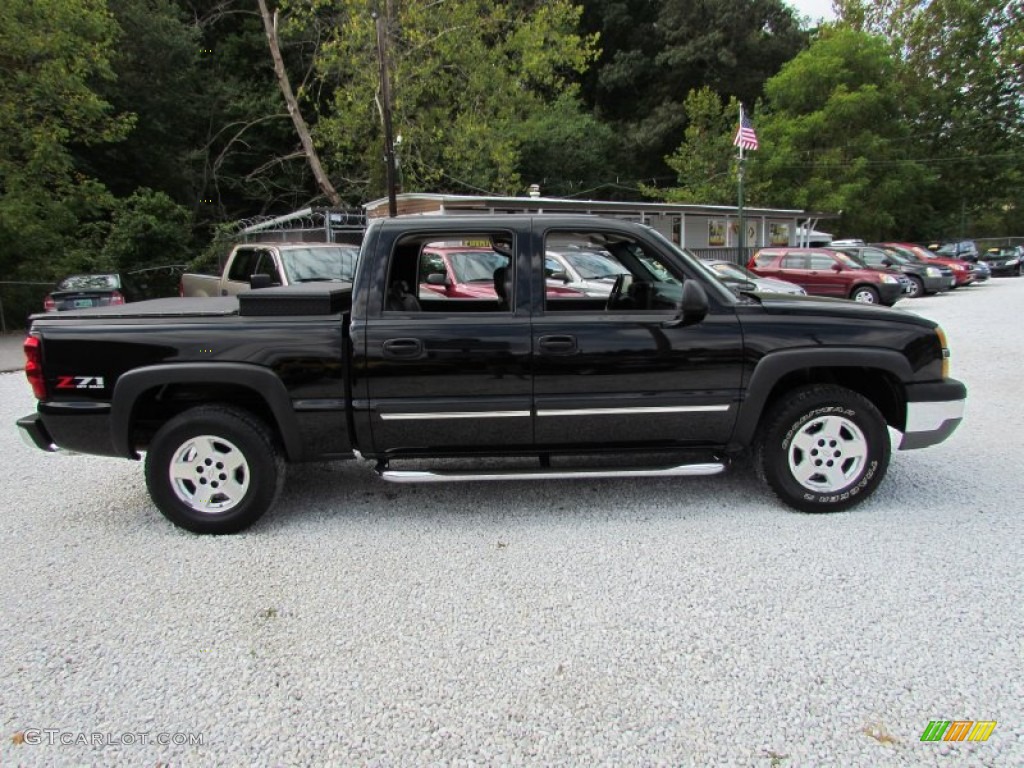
[214, 469]
[822, 448]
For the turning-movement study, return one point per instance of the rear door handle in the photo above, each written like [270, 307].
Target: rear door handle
[557, 345]
[403, 348]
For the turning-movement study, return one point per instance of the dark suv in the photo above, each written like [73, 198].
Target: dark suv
[958, 249]
[824, 272]
[924, 279]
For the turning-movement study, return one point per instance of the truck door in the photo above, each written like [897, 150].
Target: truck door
[443, 374]
[615, 371]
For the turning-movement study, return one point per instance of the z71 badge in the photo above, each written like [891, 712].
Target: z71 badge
[80, 382]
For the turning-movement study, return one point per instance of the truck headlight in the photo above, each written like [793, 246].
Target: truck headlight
[932, 272]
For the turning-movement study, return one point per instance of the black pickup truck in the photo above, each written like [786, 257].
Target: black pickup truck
[670, 374]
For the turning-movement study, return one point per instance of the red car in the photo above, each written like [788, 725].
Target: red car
[824, 272]
[467, 272]
[962, 272]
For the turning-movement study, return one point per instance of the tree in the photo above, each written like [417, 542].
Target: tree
[836, 135]
[654, 54]
[53, 53]
[966, 57]
[466, 76]
[705, 161]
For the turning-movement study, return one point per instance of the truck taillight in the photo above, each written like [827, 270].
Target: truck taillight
[34, 367]
[49, 305]
[117, 298]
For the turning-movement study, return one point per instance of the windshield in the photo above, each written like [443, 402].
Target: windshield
[733, 271]
[476, 266]
[88, 283]
[849, 261]
[901, 255]
[310, 264]
[594, 266]
[715, 286]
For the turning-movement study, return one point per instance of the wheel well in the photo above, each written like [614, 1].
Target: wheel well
[858, 286]
[880, 387]
[158, 405]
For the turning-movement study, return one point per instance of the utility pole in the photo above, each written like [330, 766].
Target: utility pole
[384, 103]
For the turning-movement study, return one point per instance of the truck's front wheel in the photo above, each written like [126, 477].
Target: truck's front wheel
[214, 469]
[822, 448]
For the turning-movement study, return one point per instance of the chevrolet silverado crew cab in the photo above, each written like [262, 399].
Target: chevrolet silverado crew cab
[670, 374]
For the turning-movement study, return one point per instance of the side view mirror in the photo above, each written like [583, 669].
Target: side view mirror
[886, 263]
[438, 278]
[693, 305]
[259, 280]
[560, 275]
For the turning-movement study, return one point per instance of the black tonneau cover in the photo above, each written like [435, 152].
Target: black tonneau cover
[171, 307]
[291, 300]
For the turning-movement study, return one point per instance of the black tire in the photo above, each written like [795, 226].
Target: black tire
[864, 294]
[825, 418]
[229, 470]
[917, 287]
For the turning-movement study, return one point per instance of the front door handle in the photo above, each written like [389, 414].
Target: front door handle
[403, 348]
[557, 345]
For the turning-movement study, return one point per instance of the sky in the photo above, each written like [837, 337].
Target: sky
[815, 9]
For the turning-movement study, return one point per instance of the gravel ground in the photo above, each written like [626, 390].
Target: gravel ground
[616, 622]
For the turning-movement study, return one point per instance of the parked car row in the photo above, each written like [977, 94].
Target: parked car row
[877, 273]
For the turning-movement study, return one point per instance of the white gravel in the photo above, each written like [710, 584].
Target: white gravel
[691, 622]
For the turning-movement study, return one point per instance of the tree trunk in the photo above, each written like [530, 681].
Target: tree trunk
[270, 25]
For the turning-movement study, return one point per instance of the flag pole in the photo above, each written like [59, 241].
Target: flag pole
[741, 239]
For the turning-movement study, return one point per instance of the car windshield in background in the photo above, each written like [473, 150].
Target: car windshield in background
[312, 264]
[476, 266]
[594, 266]
[733, 270]
[89, 283]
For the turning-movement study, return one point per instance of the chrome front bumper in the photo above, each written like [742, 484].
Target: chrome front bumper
[931, 422]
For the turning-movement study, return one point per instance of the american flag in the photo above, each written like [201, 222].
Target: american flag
[745, 136]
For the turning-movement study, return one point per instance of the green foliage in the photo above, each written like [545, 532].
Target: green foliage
[705, 161]
[563, 149]
[466, 76]
[835, 133]
[654, 54]
[53, 52]
[964, 59]
[148, 229]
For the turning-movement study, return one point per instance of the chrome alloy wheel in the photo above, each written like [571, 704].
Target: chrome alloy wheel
[828, 454]
[209, 474]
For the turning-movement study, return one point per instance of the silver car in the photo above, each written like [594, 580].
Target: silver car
[590, 272]
[736, 275]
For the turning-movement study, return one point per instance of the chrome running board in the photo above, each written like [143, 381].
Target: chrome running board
[454, 476]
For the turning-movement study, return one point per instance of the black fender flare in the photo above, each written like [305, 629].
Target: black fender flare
[773, 366]
[262, 381]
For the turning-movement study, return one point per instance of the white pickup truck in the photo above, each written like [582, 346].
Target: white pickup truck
[282, 263]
